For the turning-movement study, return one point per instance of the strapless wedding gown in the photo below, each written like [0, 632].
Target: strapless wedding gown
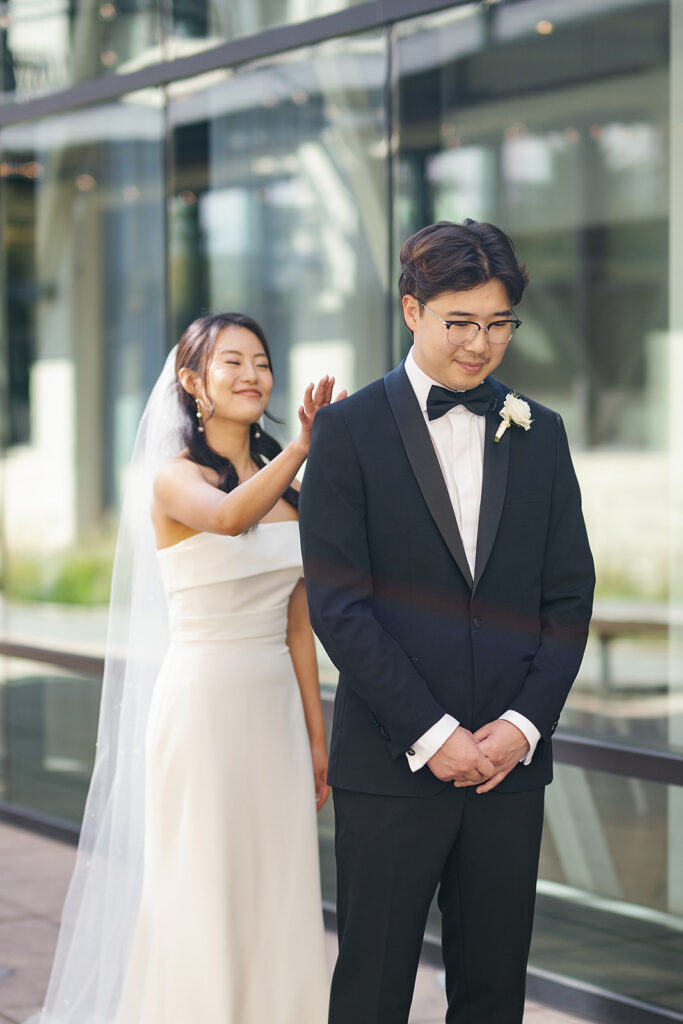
[230, 928]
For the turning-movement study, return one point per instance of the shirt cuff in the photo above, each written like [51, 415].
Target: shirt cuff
[430, 742]
[528, 728]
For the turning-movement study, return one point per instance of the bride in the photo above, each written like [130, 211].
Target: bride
[196, 892]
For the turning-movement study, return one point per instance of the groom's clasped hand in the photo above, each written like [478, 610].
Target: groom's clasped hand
[480, 759]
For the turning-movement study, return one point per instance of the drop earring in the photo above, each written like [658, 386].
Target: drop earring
[200, 425]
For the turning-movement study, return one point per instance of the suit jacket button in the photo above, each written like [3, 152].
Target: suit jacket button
[476, 622]
[410, 752]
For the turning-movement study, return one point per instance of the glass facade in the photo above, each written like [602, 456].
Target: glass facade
[51, 44]
[84, 229]
[83, 225]
[279, 205]
[47, 45]
[283, 187]
[209, 22]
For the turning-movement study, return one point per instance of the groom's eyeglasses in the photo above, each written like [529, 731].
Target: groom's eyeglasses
[462, 332]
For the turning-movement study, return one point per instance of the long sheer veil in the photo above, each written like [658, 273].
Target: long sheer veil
[101, 907]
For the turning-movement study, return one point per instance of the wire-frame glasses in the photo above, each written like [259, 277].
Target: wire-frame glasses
[462, 332]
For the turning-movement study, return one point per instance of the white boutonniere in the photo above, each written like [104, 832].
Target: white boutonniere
[515, 410]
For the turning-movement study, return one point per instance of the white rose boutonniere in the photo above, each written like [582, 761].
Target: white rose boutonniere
[515, 410]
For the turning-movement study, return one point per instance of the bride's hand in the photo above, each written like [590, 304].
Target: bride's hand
[313, 401]
[322, 790]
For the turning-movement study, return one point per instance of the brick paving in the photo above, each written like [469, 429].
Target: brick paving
[34, 873]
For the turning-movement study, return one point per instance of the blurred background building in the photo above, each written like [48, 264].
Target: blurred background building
[159, 158]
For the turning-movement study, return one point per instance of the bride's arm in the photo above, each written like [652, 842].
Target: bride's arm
[183, 494]
[302, 650]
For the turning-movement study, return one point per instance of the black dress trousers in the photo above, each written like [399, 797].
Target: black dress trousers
[393, 853]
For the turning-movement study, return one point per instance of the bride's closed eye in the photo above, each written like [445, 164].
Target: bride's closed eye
[237, 362]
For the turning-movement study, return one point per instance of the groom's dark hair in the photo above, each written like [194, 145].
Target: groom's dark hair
[449, 257]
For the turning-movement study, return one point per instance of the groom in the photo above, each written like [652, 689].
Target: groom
[450, 580]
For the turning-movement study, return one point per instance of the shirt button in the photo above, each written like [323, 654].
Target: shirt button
[476, 622]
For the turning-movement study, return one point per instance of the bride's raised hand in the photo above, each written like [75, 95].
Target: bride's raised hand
[314, 399]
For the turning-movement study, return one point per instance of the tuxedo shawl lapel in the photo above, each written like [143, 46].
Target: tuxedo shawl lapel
[424, 462]
[494, 482]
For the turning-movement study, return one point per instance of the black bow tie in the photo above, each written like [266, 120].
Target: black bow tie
[477, 400]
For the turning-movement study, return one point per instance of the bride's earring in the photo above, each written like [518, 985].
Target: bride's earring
[200, 425]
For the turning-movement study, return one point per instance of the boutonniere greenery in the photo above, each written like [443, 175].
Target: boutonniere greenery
[515, 410]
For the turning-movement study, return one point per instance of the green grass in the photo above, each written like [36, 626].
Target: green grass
[622, 584]
[81, 577]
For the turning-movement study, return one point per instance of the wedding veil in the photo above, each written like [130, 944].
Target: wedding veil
[101, 907]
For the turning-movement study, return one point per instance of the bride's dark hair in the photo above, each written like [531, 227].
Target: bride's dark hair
[195, 349]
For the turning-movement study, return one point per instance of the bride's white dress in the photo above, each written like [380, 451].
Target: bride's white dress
[230, 928]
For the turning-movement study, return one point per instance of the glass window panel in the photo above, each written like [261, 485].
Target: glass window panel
[199, 24]
[278, 209]
[51, 44]
[558, 129]
[84, 299]
[609, 907]
[610, 894]
[580, 181]
[49, 721]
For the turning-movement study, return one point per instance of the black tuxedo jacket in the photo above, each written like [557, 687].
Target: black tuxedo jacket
[392, 599]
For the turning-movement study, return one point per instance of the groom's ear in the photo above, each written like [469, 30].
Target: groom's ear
[411, 311]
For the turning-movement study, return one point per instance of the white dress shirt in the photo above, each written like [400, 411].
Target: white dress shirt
[458, 439]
